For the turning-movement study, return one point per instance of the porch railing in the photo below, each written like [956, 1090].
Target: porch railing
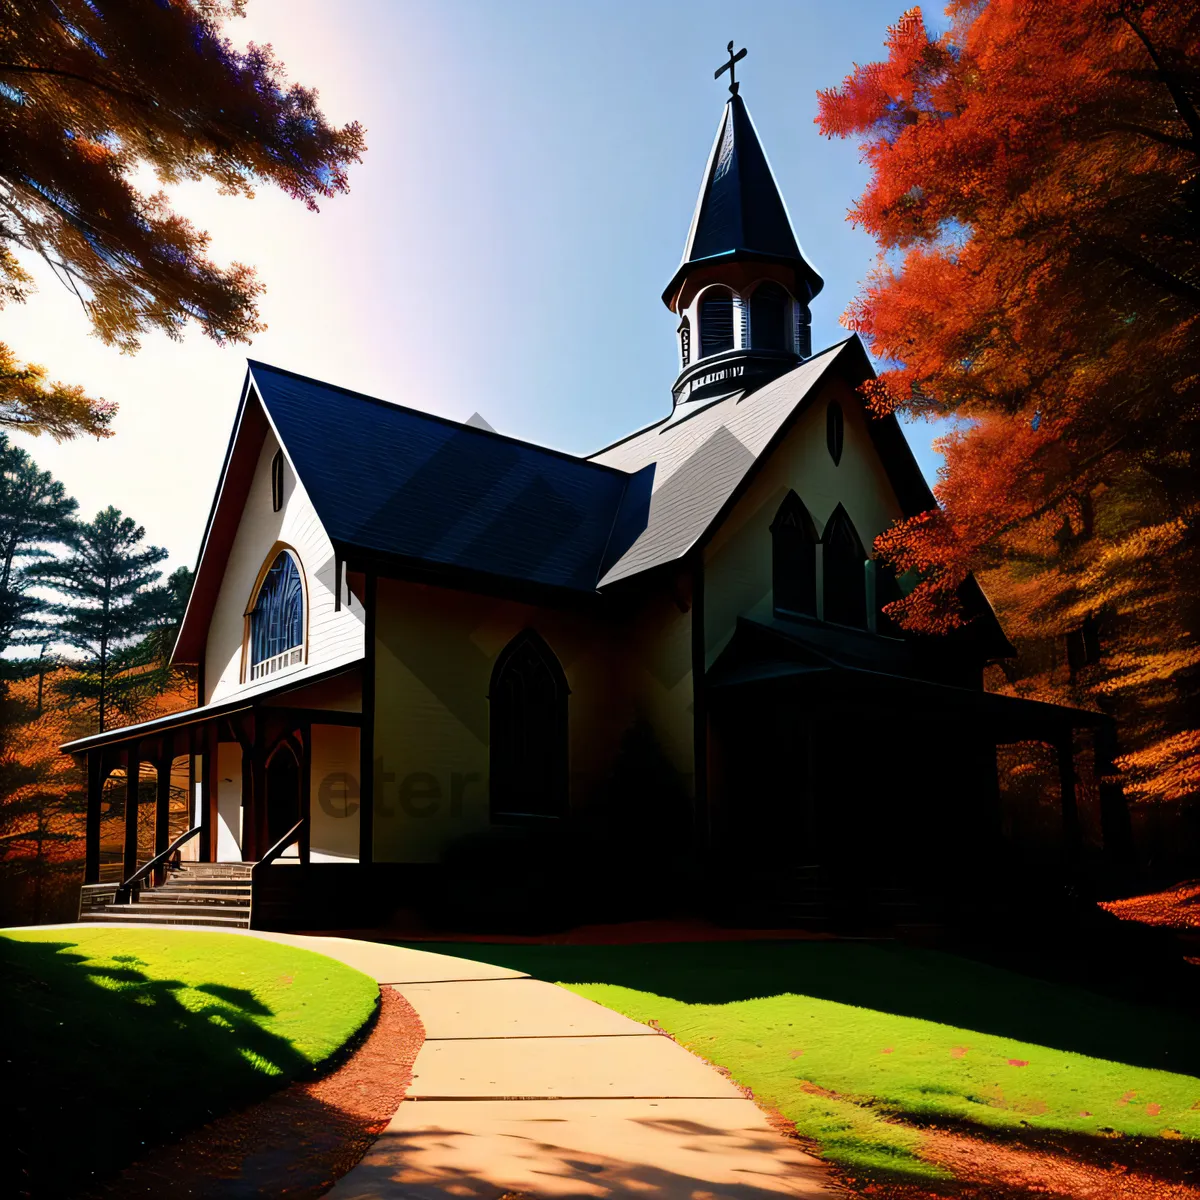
[127, 893]
[277, 898]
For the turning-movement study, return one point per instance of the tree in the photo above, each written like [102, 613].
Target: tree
[36, 514]
[92, 92]
[1034, 191]
[111, 601]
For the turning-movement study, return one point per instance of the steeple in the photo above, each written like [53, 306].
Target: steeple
[743, 288]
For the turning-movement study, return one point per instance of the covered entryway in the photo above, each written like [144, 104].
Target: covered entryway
[868, 796]
[232, 787]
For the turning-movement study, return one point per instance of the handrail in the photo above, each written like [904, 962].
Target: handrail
[142, 872]
[279, 847]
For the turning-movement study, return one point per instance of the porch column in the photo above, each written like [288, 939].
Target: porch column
[249, 801]
[91, 861]
[1065, 749]
[306, 791]
[208, 794]
[162, 808]
[132, 766]
[1114, 810]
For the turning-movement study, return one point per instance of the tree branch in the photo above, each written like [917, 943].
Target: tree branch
[1152, 272]
[1183, 104]
[1154, 135]
[60, 74]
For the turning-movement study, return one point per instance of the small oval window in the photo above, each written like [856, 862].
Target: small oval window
[835, 431]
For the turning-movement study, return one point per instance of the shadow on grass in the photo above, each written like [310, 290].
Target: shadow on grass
[884, 976]
[101, 1062]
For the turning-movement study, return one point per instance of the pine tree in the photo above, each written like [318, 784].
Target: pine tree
[112, 600]
[36, 515]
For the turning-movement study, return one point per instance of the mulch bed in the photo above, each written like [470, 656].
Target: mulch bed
[299, 1141]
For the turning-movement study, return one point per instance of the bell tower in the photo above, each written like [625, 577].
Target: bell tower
[743, 288]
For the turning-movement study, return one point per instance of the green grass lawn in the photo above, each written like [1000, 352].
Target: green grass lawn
[843, 1038]
[115, 1039]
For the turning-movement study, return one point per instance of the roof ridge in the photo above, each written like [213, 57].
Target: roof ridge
[254, 363]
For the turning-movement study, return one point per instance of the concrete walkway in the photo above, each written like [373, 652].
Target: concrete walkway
[522, 1086]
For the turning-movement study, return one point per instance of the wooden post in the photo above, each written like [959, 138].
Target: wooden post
[249, 800]
[162, 808]
[208, 793]
[306, 792]
[132, 765]
[1114, 810]
[95, 786]
[366, 735]
[1065, 749]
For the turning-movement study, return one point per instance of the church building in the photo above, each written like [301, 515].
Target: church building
[429, 652]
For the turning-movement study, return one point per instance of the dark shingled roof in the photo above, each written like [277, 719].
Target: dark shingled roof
[410, 485]
[740, 213]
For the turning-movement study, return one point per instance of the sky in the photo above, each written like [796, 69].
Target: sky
[531, 171]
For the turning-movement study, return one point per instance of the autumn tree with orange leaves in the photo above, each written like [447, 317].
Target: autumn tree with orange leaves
[1035, 196]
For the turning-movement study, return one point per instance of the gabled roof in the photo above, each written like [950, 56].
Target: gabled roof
[740, 213]
[406, 484]
[704, 460]
[399, 484]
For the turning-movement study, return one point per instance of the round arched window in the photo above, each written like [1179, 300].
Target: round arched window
[277, 619]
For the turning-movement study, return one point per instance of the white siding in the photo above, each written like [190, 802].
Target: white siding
[334, 637]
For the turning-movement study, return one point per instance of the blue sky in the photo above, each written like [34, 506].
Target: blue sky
[531, 172]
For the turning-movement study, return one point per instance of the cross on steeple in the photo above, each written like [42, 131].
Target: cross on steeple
[733, 58]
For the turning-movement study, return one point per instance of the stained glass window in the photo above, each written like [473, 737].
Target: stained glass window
[277, 622]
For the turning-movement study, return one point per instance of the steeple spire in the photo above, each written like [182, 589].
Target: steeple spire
[743, 288]
[740, 214]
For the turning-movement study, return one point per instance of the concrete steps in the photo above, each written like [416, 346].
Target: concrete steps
[213, 894]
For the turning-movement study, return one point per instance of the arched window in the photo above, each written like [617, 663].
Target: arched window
[844, 567]
[716, 322]
[685, 342]
[277, 481]
[769, 324]
[794, 558]
[528, 701]
[835, 431]
[277, 619]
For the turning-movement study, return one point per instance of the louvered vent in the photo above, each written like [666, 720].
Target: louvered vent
[716, 323]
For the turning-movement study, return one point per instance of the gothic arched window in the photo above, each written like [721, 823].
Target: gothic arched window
[277, 619]
[769, 324]
[794, 558]
[835, 431]
[716, 322]
[277, 481]
[685, 342]
[528, 703]
[844, 567]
